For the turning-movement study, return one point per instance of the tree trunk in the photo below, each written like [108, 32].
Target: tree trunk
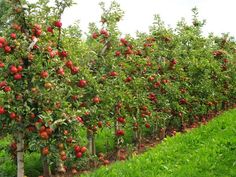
[60, 169]
[162, 133]
[46, 169]
[20, 155]
[91, 143]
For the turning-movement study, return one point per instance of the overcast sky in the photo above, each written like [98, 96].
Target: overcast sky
[220, 14]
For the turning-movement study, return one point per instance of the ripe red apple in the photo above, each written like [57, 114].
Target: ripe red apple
[120, 133]
[2, 65]
[104, 32]
[44, 74]
[52, 54]
[19, 68]
[63, 158]
[44, 135]
[63, 54]
[69, 64]
[124, 41]
[99, 124]
[128, 51]
[2, 110]
[58, 24]
[7, 49]
[50, 29]
[74, 70]
[82, 83]
[13, 69]
[3, 84]
[83, 149]
[113, 74]
[151, 79]
[95, 35]
[2, 40]
[96, 99]
[18, 76]
[76, 148]
[49, 131]
[183, 101]
[80, 119]
[12, 115]
[61, 72]
[128, 79]
[121, 120]
[79, 155]
[147, 125]
[117, 53]
[45, 151]
[13, 35]
[7, 89]
[38, 32]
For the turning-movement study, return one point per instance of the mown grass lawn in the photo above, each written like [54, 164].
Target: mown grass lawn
[208, 151]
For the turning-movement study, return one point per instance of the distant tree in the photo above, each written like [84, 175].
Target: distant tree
[4, 14]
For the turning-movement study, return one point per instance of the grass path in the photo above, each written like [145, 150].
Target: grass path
[208, 151]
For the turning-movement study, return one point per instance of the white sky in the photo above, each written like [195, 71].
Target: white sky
[220, 14]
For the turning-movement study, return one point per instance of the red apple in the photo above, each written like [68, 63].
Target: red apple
[79, 155]
[76, 148]
[82, 83]
[13, 69]
[74, 70]
[147, 125]
[2, 65]
[18, 76]
[95, 35]
[7, 89]
[3, 84]
[113, 74]
[117, 53]
[58, 24]
[2, 40]
[7, 49]
[124, 41]
[83, 149]
[44, 74]
[61, 72]
[121, 120]
[96, 99]
[128, 79]
[2, 110]
[19, 68]
[69, 64]
[13, 35]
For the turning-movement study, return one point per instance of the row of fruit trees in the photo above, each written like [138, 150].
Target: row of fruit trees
[55, 84]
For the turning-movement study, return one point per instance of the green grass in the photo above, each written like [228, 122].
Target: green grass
[209, 151]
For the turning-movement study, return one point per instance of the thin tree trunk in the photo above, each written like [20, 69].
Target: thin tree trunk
[46, 169]
[20, 155]
[116, 139]
[93, 145]
[60, 169]
[90, 141]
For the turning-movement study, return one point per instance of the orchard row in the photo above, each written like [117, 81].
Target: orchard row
[54, 84]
